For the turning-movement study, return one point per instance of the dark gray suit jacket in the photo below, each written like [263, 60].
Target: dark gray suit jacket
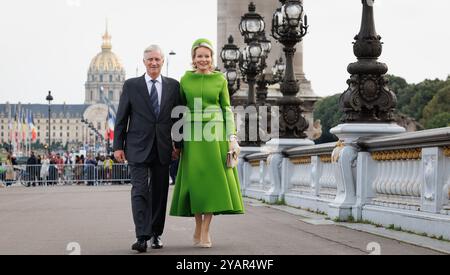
[136, 125]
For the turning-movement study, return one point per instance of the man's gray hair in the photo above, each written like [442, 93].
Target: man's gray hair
[154, 48]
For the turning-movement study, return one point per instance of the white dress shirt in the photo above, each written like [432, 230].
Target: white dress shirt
[158, 85]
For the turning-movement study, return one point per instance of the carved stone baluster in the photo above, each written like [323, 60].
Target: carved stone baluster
[396, 177]
[385, 182]
[418, 181]
[382, 171]
[408, 177]
[402, 178]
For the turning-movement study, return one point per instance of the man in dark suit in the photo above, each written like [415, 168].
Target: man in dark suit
[142, 136]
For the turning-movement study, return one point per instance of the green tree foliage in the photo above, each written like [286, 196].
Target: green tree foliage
[397, 84]
[437, 112]
[327, 110]
[423, 93]
[438, 121]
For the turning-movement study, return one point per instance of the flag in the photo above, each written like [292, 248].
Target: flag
[31, 126]
[16, 126]
[24, 128]
[111, 123]
[10, 126]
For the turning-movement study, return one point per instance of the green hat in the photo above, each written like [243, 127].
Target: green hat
[202, 42]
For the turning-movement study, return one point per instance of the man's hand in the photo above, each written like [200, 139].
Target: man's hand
[119, 155]
[176, 153]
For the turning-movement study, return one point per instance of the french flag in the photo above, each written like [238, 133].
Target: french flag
[111, 123]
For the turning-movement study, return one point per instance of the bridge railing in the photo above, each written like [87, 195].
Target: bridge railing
[409, 171]
[401, 180]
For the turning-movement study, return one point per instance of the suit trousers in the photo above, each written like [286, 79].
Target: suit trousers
[150, 188]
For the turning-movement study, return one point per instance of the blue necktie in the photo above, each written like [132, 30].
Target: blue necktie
[154, 98]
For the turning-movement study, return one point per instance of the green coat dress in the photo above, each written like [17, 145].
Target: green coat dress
[204, 184]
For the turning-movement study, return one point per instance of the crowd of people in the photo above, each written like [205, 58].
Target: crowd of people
[65, 168]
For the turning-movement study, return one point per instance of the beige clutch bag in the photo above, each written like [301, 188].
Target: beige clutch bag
[232, 159]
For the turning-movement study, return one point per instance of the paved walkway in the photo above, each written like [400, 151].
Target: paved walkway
[46, 220]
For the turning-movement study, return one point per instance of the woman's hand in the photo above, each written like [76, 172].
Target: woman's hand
[234, 145]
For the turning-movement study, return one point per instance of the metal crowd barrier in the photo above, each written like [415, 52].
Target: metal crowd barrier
[67, 174]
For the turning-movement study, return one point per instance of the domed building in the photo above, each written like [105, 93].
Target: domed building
[72, 125]
[106, 76]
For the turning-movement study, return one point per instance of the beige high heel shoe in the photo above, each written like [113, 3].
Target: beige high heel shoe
[206, 243]
[195, 240]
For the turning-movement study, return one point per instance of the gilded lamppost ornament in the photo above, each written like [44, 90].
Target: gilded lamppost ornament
[368, 98]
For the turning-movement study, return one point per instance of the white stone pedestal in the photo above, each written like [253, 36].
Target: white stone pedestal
[244, 176]
[345, 155]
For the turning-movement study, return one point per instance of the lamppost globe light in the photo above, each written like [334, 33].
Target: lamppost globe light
[231, 76]
[230, 53]
[293, 11]
[252, 24]
[287, 23]
[254, 52]
[265, 44]
[49, 97]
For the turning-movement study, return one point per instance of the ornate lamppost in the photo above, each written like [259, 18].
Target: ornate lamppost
[368, 97]
[251, 27]
[230, 57]
[368, 106]
[277, 70]
[49, 98]
[261, 92]
[289, 26]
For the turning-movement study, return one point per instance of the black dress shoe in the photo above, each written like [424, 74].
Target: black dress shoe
[140, 246]
[156, 242]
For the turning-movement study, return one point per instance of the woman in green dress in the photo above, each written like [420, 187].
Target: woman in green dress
[205, 186]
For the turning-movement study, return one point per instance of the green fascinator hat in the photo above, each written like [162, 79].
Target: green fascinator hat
[202, 42]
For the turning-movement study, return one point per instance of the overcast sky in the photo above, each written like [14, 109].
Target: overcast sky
[48, 44]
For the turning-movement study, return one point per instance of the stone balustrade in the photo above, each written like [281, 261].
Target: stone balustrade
[401, 179]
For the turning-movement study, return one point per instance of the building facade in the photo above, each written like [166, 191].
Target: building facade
[105, 79]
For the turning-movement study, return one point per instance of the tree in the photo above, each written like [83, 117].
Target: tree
[437, 112]
[423, 93]
[438, 121]
[397, 84]
[329, 113]
[401, 88]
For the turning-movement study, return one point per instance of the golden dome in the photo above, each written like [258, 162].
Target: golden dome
[106, 60]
